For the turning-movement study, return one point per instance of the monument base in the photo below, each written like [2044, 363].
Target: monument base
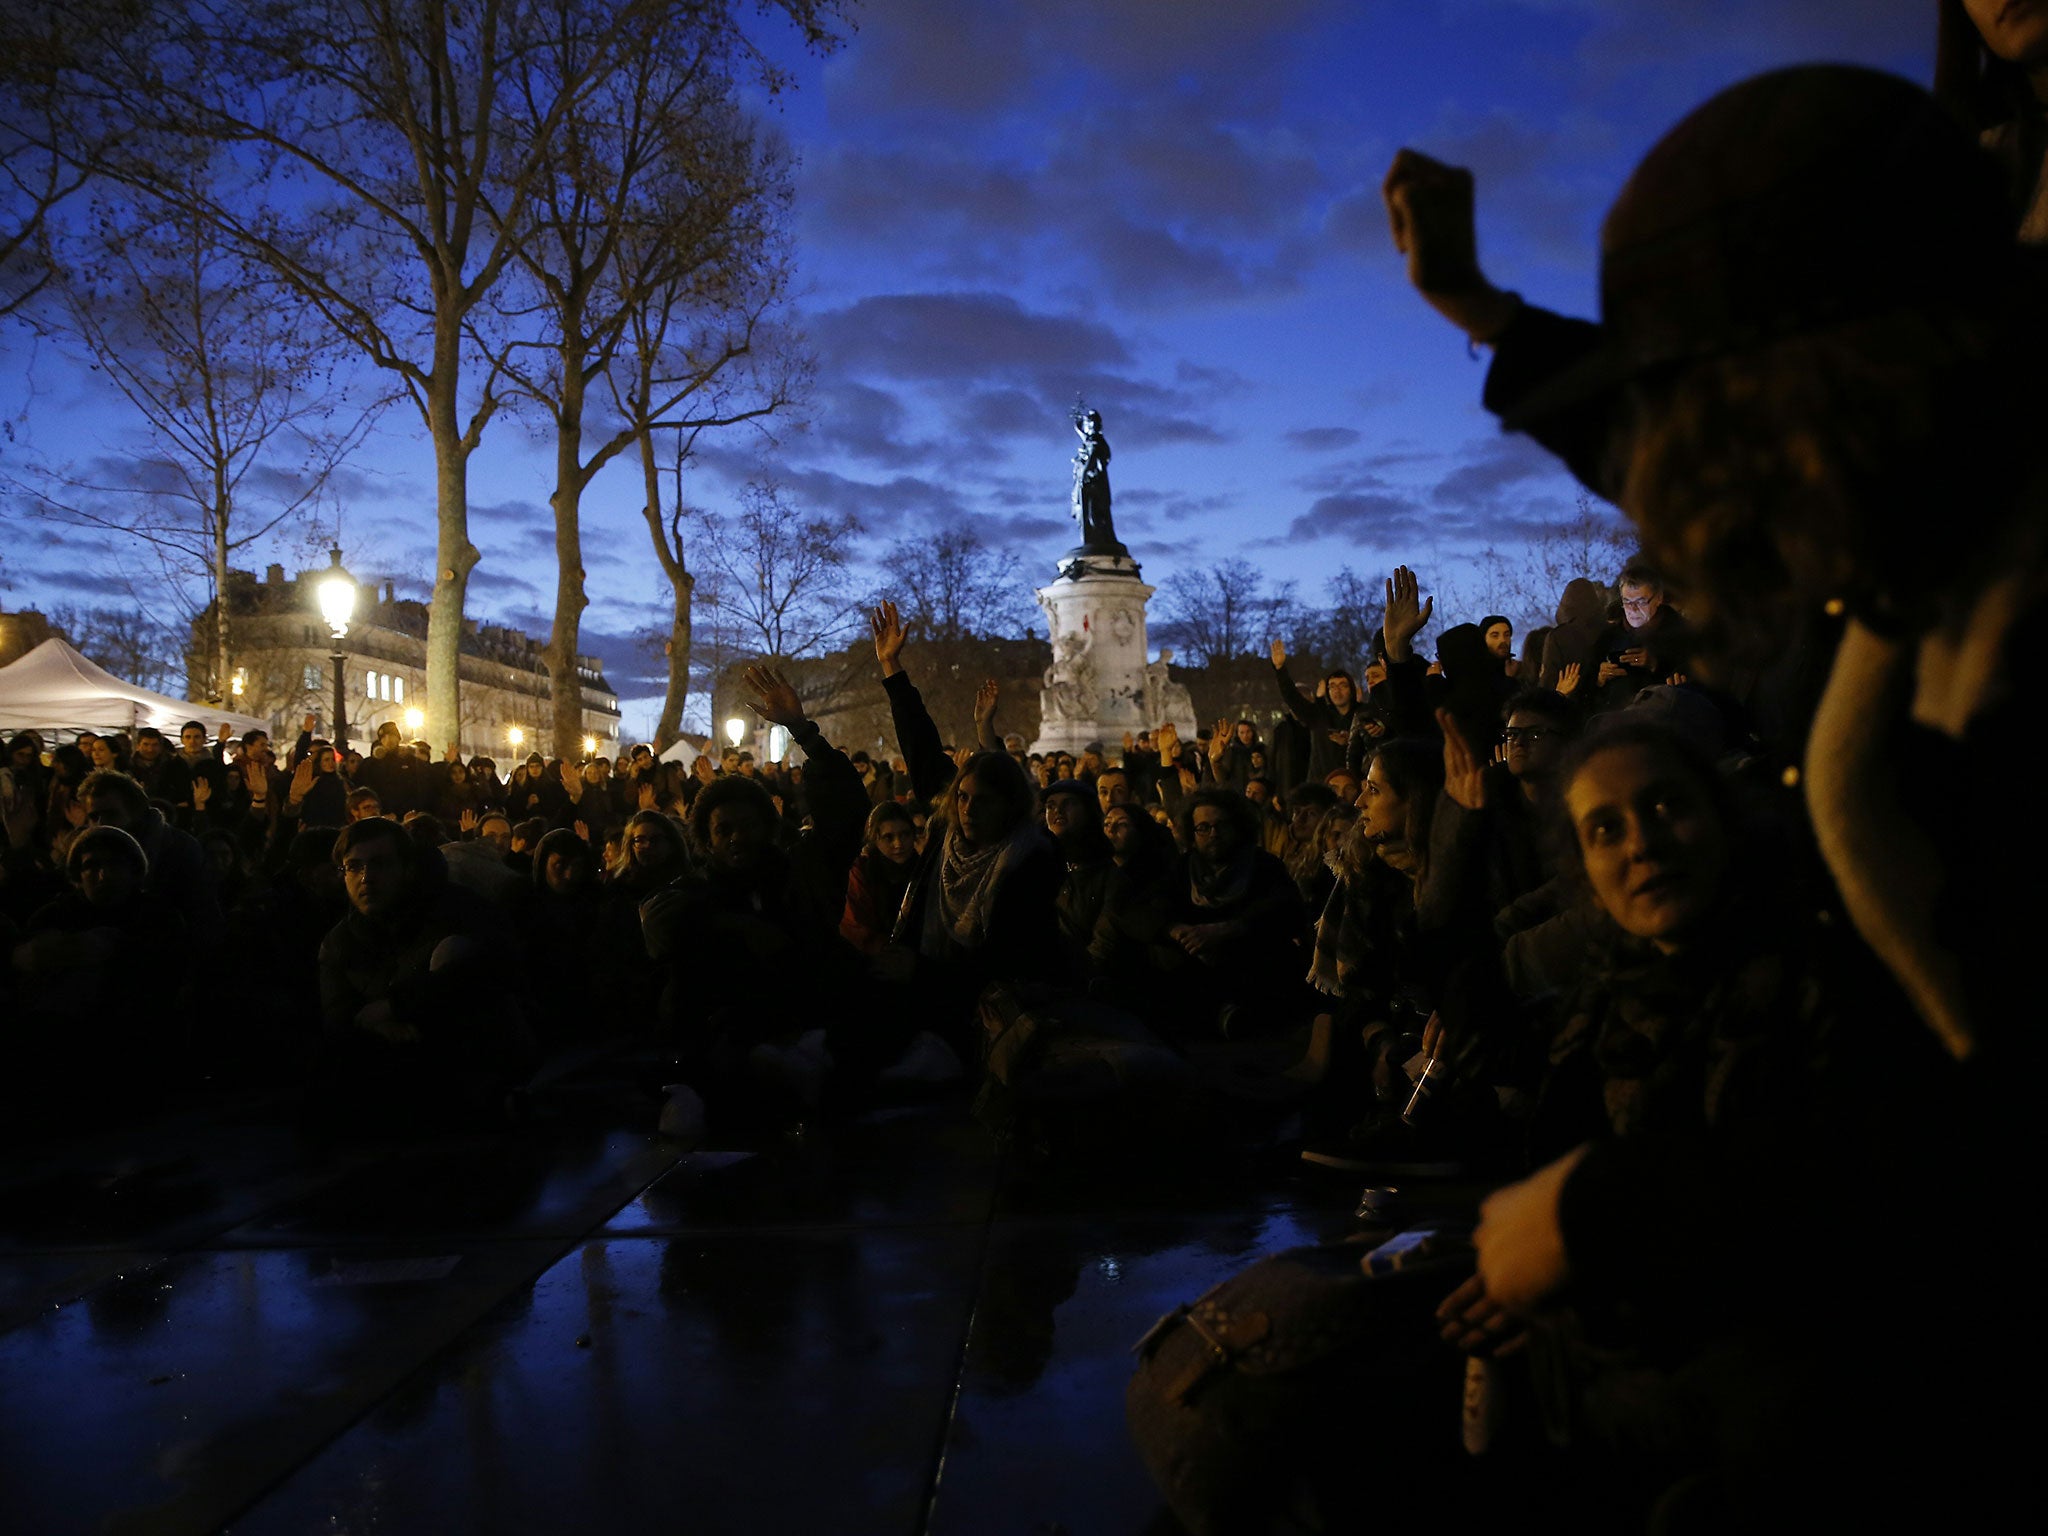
[1100, 685]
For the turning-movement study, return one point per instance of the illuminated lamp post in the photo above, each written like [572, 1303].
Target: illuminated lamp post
[415, 721]
[337, 591]
[735, 731]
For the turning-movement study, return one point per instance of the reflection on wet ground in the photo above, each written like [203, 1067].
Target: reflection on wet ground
[206, 1325]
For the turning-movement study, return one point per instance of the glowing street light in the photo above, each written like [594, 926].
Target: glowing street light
[735, 731]
[238, 683]
[590, 746]
[415, 720]
[337, 595]
[517, 737]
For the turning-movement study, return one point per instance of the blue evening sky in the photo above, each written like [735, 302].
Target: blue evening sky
[1169, 205]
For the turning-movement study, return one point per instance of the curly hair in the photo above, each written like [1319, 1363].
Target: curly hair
[1242, 815]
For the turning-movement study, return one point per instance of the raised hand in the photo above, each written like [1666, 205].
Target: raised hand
[1279, 653]
[467, 821]
[774, 699]
[703, 768]
[225, 734]
[302, 780]
[985, 702]
[1464, 774]
[202, 791]
[581, 829]
[310, 724]
[1169, 743]
[1568, 679]
[886, 625]
[1407, 612]
[452, 755]
[1219, 738]
[646, 800]
[1429, 214]
[572, 781]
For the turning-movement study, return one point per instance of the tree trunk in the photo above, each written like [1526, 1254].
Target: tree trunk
[681, 584]
[454, 558]
[217, 686]
[565, 682]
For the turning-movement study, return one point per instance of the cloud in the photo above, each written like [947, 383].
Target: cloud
[1323, 439]
[1367, 517]
[962, 336]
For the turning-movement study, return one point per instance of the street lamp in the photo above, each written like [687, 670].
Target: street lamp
[590, 746]
[517, 737]
[735, 731]
[337, 592]
[415, 720]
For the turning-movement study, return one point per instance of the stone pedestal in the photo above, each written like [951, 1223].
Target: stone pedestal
[1100, 684]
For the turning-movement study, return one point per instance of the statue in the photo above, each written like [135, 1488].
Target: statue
[1166, 700]
[1091, 485]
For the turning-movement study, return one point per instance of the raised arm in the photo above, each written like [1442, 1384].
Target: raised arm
[985, 736]
[917, 738]
[1299, 706]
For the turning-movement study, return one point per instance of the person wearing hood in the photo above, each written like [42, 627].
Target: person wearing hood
[85, 952]
[178, 868]
[1473, 685]
[1574, 640]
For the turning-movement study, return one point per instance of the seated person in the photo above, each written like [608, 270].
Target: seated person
[879, 877]
[416, 988]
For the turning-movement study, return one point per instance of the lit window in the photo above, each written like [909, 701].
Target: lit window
[310, 680]
[372, 685]
[398, 690]
[385, 683]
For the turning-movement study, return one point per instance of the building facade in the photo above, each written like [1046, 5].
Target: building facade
[281, 669]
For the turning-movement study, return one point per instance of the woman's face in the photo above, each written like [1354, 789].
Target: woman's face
[457, 774]
[323, 760]
[1121, 831]
[648, 848]
[1383, 809]
[1246, 734]
[897, 841]
[1064, 814]
[982, 810]
[1654, 847]
[101, 752]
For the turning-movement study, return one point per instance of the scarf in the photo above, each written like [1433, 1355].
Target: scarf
[969, 881]
[1219, 884]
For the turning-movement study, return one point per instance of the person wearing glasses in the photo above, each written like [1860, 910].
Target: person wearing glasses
[1646, 645]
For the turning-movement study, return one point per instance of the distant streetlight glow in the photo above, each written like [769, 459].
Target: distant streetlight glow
[415, 720]
[735, 730]
[590, 746]
[517, 737]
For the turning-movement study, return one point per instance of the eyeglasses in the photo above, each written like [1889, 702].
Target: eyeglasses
[357, 868]
[1526, 735]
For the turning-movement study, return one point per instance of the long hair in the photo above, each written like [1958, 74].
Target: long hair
[991, 769]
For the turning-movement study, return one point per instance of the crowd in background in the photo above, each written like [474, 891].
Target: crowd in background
[1699, 921]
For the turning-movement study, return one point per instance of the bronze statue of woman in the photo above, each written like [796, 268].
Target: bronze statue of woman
[1091, 485]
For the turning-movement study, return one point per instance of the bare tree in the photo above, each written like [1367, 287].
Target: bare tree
[660, 224]
[952, 587]
[393, 157]
[51, 136]
[234, 390]
[1526, 581]
[132, 646]
[1222, 611]
[1341, 633]
[784, 579]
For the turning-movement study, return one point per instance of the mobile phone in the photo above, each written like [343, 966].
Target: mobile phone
[1399, 1251]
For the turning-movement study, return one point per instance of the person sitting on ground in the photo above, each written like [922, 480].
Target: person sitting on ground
[984, 910]
[178, 870]
[480, 865]
[416, 993]
[1645, 645]
[1490, 837]
[157, 769]
[1237, 917]
[774, 910]
[82, 956]
[880, 876]
[363, 803]
[1303, 847]
[1073, 819]
[573, 1002]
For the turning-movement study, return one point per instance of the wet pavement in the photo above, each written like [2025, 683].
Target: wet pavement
[206, 1326]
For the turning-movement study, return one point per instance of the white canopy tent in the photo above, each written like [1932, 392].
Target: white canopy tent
[58, 692]
[685, 750]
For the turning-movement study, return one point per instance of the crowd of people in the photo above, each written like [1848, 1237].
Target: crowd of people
[1694, 919]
